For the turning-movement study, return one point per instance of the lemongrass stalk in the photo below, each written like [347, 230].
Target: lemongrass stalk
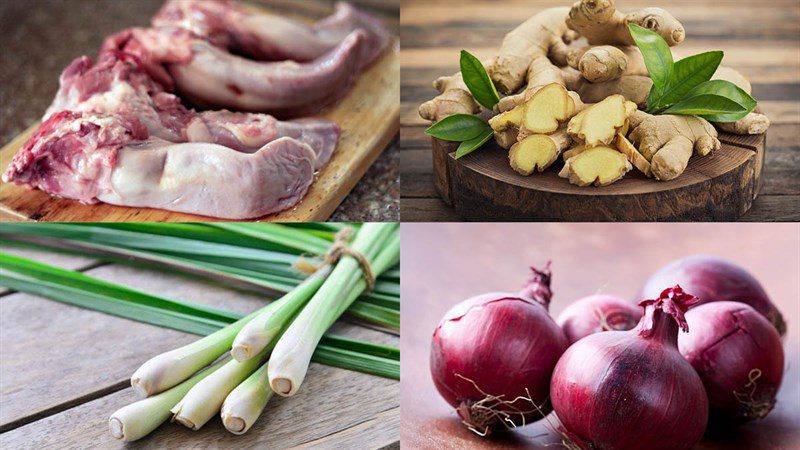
[244, 404]
[262, 329]
[168, 369]
[139, 419]
[289, 361]
[205, 399]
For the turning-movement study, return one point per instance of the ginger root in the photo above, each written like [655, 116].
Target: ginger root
[540, 38]
[574, 151]
[600, 23]
[599, 123]
[668, 141]
[599, 166]
[607, 62]
[634, 88]
[633, 155]
[537, 151]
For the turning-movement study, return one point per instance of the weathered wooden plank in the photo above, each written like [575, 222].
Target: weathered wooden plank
[57, 356]
[769, 208]
[427, 210]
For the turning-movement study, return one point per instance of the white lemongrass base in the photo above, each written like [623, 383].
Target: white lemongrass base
[245, 403]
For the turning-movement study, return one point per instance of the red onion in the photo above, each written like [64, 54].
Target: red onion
[492, 356]
[597, 313]
[739, 357]
[714, 279]
[632, 389]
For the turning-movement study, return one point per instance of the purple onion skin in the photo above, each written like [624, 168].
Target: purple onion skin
[630, 390]
[738, 355]
[505, 345]
[597, 313]
[714, 279]
[497, 344]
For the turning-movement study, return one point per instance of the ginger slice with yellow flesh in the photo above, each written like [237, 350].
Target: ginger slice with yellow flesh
[508, 119]
[546, 109]
[633, 155]
[598, 124]
[537, 151]
[574, 151]
[599, 166]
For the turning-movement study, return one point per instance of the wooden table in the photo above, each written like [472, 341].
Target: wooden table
[761, 39]
[64, 370]
[444, 264]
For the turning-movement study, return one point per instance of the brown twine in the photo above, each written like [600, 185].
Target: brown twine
[339, 248]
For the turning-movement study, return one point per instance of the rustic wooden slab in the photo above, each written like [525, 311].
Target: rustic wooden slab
[482, 186]
[444, 264]
[369, 117]
[66, 369]
[434, 33]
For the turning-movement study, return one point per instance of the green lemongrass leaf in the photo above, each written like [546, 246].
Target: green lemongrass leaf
[687, 74]
[458, 128]
[274, 280]
[374, 313]
[278, 234]
[478, 81]
[657, 57]
[362, 347]
[146, 241]
[705, 104]
[467, 147]
[730, 91]
[178, 315]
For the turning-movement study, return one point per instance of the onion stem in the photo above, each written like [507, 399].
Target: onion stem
[244, 404]
[380, 244]
[139, 419]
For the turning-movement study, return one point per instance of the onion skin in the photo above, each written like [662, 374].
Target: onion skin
[632, 389]
[715, 279]
[498, 344]
[738, 355]
[597, 313]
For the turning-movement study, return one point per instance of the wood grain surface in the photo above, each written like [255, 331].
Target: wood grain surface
[368, 116]
[761, 42]
[443, 264]
[66, 369]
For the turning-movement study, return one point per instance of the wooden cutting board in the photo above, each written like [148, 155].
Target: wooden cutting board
[482, 187]
[369, 117]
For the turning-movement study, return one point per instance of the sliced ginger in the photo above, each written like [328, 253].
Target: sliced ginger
[574, 151]
[599, 166]
[547, 109]
[637, 159]
[598, 124]
[508, 119]
[537, 151]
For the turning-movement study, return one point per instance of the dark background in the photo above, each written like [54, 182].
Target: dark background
[38, 38]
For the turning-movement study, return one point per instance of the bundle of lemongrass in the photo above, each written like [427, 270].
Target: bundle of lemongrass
[270, 349]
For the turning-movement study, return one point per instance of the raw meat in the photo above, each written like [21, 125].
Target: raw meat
[111, 158]
[212, 77]
[117, 84]
[268, 37]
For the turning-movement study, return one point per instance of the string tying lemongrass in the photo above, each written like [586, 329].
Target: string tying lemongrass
[168, 369]
[380, 245]
[244, 404]
[139, 419]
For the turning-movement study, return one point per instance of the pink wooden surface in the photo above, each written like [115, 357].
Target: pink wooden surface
[445, 263]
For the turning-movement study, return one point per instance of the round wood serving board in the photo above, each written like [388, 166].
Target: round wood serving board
[482, 187]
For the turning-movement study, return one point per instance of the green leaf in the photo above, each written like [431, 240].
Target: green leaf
[458, 128]
[467, 147]
[478, 81]
[657, 57]
[705, 104]
[730, 91]
[687, 74]
[75, 288]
